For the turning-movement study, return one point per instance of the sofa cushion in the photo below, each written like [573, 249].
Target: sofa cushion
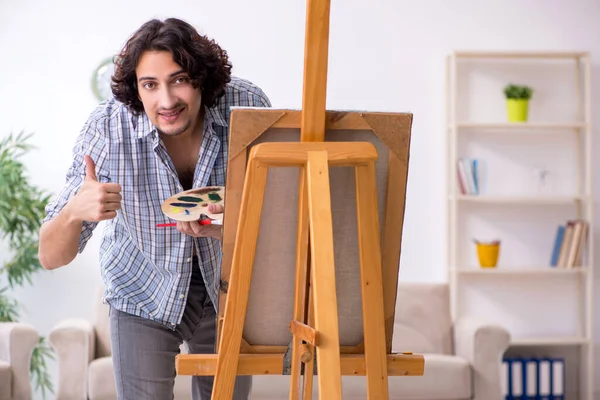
[102, 382]
[101, 379]
[445, 378]
[423, 323]
[102, 325]
[5, 380]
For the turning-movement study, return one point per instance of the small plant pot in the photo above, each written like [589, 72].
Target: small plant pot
[517, 109]
[488, 254]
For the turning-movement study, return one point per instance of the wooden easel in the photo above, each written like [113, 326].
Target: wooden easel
[314, 326]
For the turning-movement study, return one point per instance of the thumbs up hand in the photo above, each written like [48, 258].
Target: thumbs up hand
[95, 201]
[90, 168]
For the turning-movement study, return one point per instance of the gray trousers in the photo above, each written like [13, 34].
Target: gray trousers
[144, 351]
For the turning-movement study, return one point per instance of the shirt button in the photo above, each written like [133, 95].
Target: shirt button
[181, 296]
[189, 259]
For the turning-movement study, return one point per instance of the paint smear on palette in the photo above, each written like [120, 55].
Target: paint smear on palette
[183, 205]
[187, 212]
[204, 190]
[214, 196]
[190, 199]
[175, 210]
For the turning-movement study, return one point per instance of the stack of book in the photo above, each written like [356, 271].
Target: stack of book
[569, 244]
[468, 176]
[533, 378]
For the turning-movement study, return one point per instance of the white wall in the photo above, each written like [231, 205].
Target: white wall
[384, 56]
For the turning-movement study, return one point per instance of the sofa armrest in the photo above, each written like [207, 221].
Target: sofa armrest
[483, 345]
[73, 340]
[17, 342]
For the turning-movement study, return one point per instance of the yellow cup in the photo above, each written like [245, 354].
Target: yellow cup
[517, 109]
[488, 254]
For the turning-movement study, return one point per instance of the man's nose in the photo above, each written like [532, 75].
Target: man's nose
[167, 99]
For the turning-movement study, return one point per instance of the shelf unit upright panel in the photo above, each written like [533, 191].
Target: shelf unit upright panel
[582, 201]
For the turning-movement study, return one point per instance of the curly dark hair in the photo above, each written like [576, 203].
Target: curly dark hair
[204, 60]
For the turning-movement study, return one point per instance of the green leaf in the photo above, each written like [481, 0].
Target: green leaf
[512, 91]
[9, 309]
[21, 213]
[39, 369]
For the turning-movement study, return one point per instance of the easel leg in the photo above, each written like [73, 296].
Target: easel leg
[323, 277]
[309, 366]
[239, 282]
[371, 282]
[301, 292]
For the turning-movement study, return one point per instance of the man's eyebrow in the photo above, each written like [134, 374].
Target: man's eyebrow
[181, 71]
[147, 78]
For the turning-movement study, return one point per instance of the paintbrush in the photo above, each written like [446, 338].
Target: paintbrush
[202, 222]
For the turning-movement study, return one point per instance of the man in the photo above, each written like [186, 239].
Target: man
[165, 131]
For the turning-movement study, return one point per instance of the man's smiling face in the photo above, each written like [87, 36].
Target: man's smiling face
[166, 91]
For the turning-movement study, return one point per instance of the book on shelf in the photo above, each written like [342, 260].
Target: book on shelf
[540, 378]
[569, 244]
[468, 176]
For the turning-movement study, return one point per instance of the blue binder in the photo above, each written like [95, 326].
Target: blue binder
[528, 378]
[557, 379]
[514, 376]
[545, 379]
[560, 233]
[531, 379]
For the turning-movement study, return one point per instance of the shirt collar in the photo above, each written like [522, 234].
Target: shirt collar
[144, 127]
[216, 117]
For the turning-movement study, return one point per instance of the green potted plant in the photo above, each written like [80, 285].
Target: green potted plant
[21, 213]
[517, 102]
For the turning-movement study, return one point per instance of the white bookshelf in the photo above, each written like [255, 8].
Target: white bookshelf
[522, 200]
[521, 272]
[526, 220]
[551, 341]
[512, 126]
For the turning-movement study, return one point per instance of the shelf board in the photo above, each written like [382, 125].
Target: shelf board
[521, 271]
[519, 199]
[548, 341]
[521, 125]
[521, 54]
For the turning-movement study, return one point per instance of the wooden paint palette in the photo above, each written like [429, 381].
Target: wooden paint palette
[191, 204]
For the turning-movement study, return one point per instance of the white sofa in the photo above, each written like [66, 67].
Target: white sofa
[17, 342]
[462, 358]
[83, 353]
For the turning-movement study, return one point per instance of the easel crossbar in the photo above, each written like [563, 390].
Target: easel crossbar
[339, 154]
[272, 364]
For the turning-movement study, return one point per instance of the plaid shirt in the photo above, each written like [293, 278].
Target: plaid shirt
[146, 270]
